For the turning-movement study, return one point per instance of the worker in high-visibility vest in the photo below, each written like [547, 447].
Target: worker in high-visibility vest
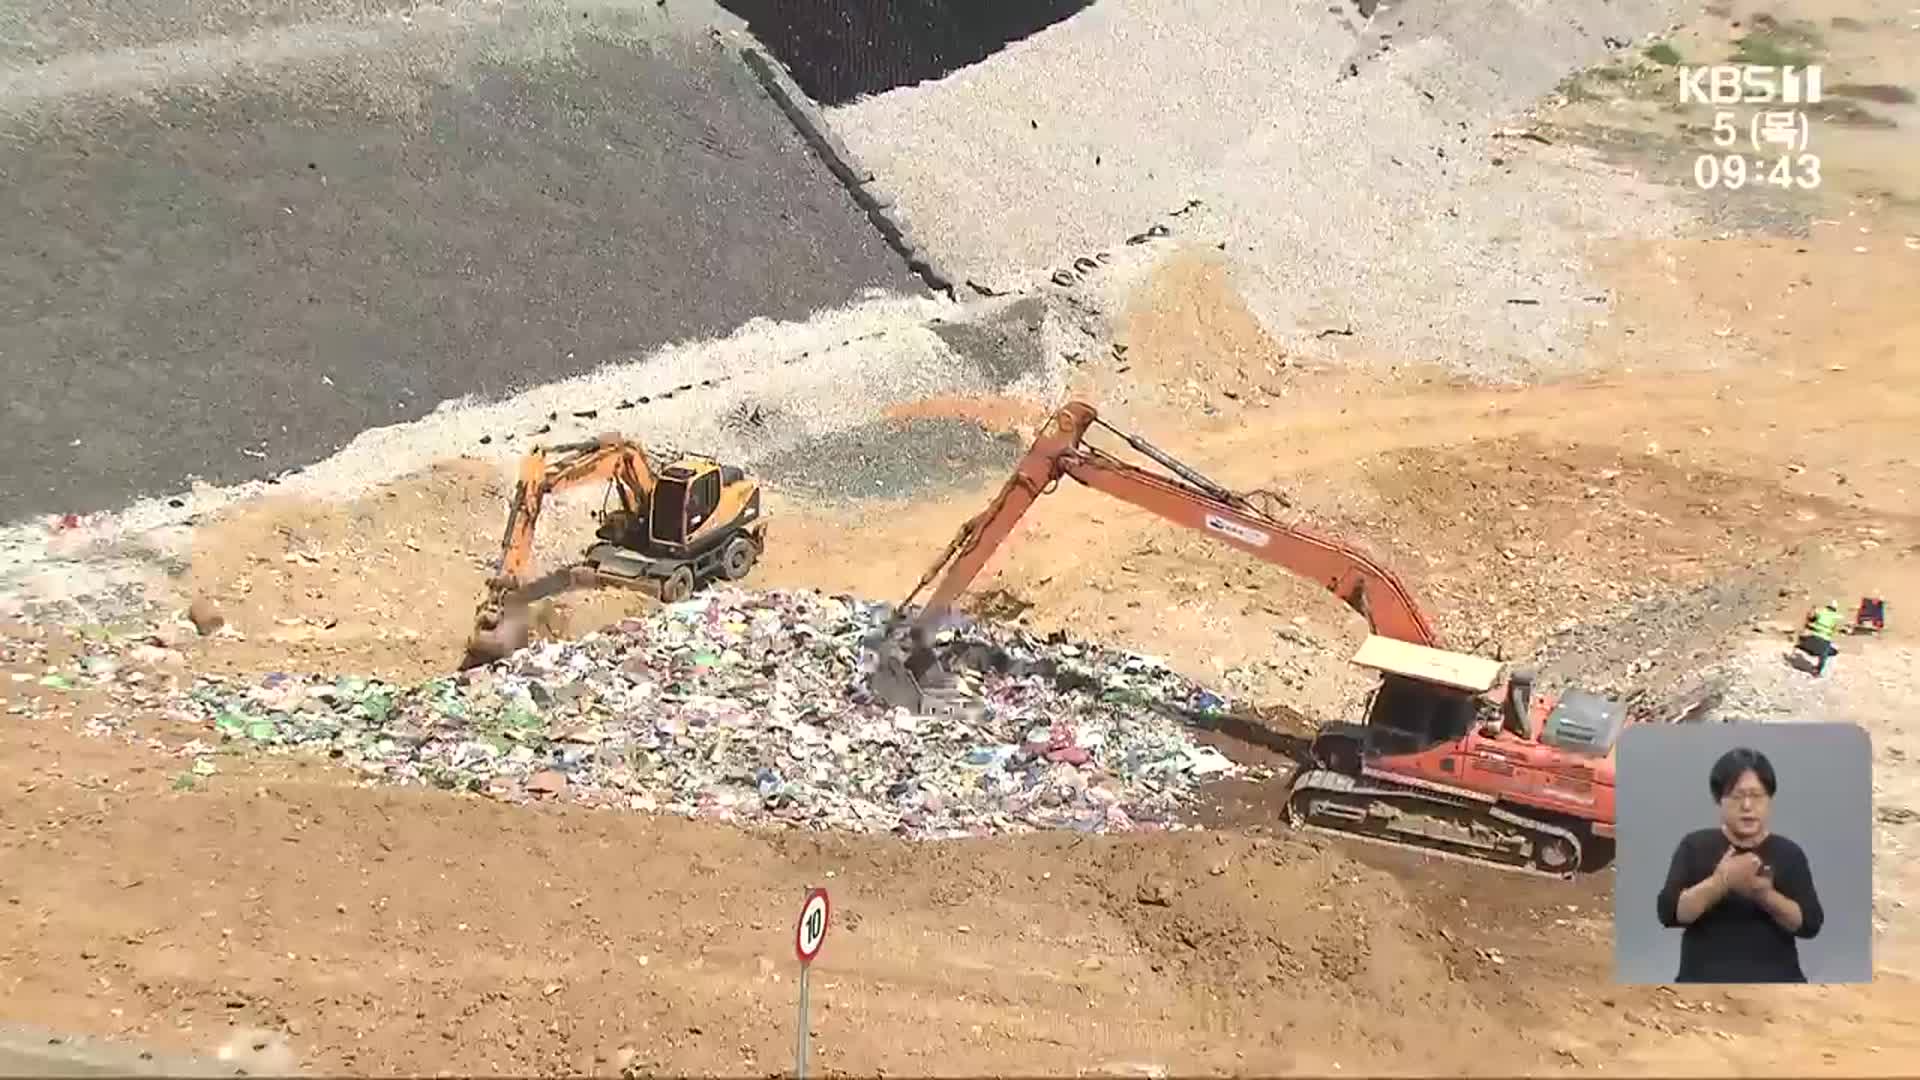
[1817, 640]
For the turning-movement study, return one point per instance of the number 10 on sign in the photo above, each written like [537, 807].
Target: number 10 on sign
[808, 935]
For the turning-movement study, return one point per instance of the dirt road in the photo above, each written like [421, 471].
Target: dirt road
[1665, 509]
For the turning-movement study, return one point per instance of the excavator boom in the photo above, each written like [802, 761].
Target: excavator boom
[546, 470]
[1423, 770]
[1187, 499]
[501, 624]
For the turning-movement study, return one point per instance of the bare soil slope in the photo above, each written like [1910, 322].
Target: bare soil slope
[1634, 525]
[400, 932]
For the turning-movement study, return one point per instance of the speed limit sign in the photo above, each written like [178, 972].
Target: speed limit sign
[808, 935]
[811, 931]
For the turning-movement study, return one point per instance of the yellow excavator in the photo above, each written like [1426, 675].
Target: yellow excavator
[667, 531]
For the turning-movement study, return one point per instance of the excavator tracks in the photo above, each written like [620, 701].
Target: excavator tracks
[1435, 821]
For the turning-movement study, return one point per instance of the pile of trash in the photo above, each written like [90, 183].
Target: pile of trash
[750, 707]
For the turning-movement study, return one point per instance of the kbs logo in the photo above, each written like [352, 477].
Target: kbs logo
[1749, 84]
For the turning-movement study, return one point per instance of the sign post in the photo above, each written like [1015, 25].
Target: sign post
[808, 935]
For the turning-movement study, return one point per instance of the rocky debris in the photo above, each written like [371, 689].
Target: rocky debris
[1421, 153]
[1768, 681]
[258, 1052]
[1666, 645]
[134, 669]
[1154, 893]
[749, 707]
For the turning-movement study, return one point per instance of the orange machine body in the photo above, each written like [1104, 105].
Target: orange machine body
[1452, 729]
[1505, 766]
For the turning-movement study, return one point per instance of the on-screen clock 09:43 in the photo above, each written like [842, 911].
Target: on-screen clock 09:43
[1735, 171]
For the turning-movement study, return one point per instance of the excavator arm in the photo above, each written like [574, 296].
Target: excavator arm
[1187, 499]
[500, 623]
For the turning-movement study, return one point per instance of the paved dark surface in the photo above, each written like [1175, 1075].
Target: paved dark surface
[839, 50]
[236, 273]
[38, 30]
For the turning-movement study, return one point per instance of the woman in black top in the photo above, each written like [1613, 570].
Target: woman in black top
[1742, 893]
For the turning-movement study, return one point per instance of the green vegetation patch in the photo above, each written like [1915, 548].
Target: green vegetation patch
[1663, 52]
[1772, 43]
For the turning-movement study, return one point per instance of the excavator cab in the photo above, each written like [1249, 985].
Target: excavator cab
[1403, 716]
[1426, 698]
[702, 520]
[687, 497]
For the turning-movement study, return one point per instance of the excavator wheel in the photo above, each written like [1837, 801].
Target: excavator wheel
[1556, 855]
[737, 560]
[677, 586]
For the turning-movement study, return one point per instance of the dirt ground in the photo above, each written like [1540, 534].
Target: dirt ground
[388, 932]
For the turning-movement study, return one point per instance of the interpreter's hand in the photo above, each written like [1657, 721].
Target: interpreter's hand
[1761, 883]
[1737, 870]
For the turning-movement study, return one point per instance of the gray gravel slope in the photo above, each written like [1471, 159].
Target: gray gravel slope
[227, 257]
[1378, 201]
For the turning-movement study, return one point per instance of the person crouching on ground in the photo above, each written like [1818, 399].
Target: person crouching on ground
[1816, 638]
[1742, 893]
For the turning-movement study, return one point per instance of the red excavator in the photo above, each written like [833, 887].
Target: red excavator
[1454, 754]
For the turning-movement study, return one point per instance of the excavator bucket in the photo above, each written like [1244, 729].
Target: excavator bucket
[508, 635]
[894, 683]
[906, 667]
